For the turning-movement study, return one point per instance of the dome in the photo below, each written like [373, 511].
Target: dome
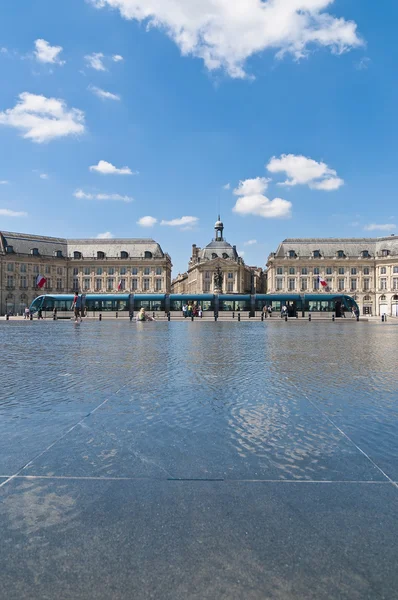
[220, 248]
[218, 224]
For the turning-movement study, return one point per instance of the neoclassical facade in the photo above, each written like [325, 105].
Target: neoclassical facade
[365, 268]
[87, 265]
[217, 268]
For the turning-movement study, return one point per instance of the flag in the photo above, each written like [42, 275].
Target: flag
[323, 283]
[119, 286]
[40, 281]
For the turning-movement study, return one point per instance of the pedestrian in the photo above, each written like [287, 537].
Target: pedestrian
[184, 311]
[39, 314]
[55, 313]
[26, 313]
[269, 310]
[77, 306]
[200, 313]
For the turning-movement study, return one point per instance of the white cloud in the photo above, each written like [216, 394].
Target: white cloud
[81, 195]
[301, 170]
[103, 94]
[43, 119]
[44, 176]
[117, 58]
[45, 53]
[106, 168]
[226, 33]
[250, 243]
[4, 182]
[3, 50]
[147, 221]
[105, 236]
[376, 227]
[182, 222]
[4, 212]
[253, 202]
[95, 61]
[227, 186]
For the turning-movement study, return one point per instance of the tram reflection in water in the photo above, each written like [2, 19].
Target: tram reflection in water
[128, 304]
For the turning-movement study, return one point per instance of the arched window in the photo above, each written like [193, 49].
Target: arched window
[147, 254]
[382, 298]
[214, 255]
[100, 255]
[77, 254]
[224, 255]
[124, 254]
[395, 297]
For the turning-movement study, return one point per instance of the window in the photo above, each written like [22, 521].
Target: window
[100, 255]
[206, 286]
[147, 254]
[58, 253]
[353, 284]
[36, 269]
[224, 255]
[10, 267]
[75, 271]
[315, 283]
[123, 284]
[395, 283]
[111, 271]
[59, 284]
[22, 268]
[48, 284]
[98, 285]
[365, 254]
[279, 271]
[77, 254]
[316, 254]
[340, 285]
[292, 284]
[48, 270]
[383, 298]
[75, 285]
[86, 284]
[10, 281]
[124, 254]
[366, 284]
[366, 270]
[279, 283]
[341, 270]
[304, 284]
[340, 254]
[9, 249]
[385, 252]
[110, 284]
[158, 285]
[35, 251]
[230, 286]
[134, 271]
[99, 270]
[292, 271]
[59, 270]
[147, 271]
[86, 270]
[316, 270]
[230, 275]
[329, 281]
[123, 270]
[292, 254]
[24, 283]
[395, 270]
[207, 274]
[214, 255]
[383, 283]
[329, 270]
[383, 270]
[304, 271]
[159, 270]
[146, 284]
[353, 271]
[134, 284]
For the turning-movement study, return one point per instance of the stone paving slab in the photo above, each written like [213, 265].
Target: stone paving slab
[96, 540]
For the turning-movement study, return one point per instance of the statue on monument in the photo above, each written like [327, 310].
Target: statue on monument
[218, 280]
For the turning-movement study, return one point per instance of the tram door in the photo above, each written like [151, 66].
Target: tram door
[291, 308]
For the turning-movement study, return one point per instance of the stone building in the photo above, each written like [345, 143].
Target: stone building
[88, 265]
[217, 268]
[364, 268]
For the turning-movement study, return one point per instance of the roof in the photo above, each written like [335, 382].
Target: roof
[23, 243]
[352, 247]
[219, 248]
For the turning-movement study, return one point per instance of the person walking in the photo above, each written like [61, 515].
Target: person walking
[184, 311]
[77, 306]
[26, 313]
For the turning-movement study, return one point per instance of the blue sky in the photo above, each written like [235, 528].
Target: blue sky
[284, 114]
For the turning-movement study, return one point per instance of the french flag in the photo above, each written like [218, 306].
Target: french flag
[322, 282]
[40, 281]
[119, 286]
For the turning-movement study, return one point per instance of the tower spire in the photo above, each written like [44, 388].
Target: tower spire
[219, 228]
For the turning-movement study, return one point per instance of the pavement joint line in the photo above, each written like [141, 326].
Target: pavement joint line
[61, 437]
[395, 484]
[198, 480]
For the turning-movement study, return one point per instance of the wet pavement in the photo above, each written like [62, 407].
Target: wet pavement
[198, 460]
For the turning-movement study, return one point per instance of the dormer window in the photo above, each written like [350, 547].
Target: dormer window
[148, 254]
[124, 254]
[316, 254]
[77, 254]
[365, 254]
[214, 255]
[100, 255]
[225, 255]
[340, 254]
[292, 254]
[385, 252]
[58, 253]
[9, 249]
[35, 252]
